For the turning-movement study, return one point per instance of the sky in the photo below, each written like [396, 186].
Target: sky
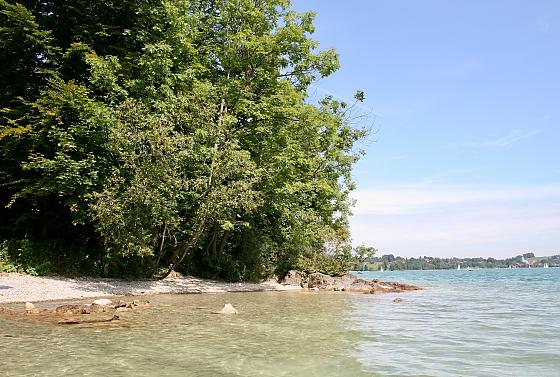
[464, 99]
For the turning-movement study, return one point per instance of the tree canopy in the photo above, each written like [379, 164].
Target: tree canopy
[139, 136]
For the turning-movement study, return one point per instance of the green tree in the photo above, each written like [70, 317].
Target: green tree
[175, 135]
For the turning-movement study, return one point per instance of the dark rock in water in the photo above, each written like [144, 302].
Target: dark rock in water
[293, 278]
[5, 287]
[397, 299]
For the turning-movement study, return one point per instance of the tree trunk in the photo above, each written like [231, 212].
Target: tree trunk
[223, 243]
[184, 250]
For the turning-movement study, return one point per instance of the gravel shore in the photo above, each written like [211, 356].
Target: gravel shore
[24, 288]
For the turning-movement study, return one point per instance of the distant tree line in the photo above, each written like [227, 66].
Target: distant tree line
[390, 262]
[141, 136]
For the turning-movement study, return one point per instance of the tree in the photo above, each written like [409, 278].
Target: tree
[176, 134]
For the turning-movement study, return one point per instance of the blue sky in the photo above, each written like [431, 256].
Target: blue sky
[465, 98]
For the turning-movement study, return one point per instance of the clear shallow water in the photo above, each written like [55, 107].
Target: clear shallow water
[467, 323]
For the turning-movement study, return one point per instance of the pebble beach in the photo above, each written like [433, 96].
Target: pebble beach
[16, 288]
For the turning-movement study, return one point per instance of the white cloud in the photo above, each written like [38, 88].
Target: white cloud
[543, 24]
[422, 198]
[462, 68]
[500, 142]
[459, 220]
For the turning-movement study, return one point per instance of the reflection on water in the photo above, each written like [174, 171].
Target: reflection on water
[467, 323]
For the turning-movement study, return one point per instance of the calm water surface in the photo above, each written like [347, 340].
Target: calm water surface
[467, 323]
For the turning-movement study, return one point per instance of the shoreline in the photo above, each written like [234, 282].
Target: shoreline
[19, 288]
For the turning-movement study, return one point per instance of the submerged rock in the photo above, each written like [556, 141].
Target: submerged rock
[397, 299]
[79, 313]
[74, 309]
[80, 321]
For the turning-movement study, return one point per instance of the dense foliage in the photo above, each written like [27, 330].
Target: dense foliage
[139, 136]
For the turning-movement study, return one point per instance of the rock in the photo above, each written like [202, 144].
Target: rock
[293, 277]
[76, 309]
[174, 275]
[120, 304]
[397, 299]
[228, 309]
[95, 308]
[8, 311]
[30, 308]
[351, 283]
[321, 281]
[66, 309]
[103, 302]
[79, 321]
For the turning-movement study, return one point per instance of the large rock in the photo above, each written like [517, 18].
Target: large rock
[351, 283]
[321, 281]
[293, 277]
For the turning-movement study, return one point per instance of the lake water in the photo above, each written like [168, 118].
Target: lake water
[466, 323]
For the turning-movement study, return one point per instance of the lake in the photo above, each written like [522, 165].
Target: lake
[466, 323]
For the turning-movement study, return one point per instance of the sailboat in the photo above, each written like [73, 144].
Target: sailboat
[381, 268]
[545, 265]
[458, 266]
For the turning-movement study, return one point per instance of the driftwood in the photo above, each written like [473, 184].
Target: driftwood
[80, 321]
